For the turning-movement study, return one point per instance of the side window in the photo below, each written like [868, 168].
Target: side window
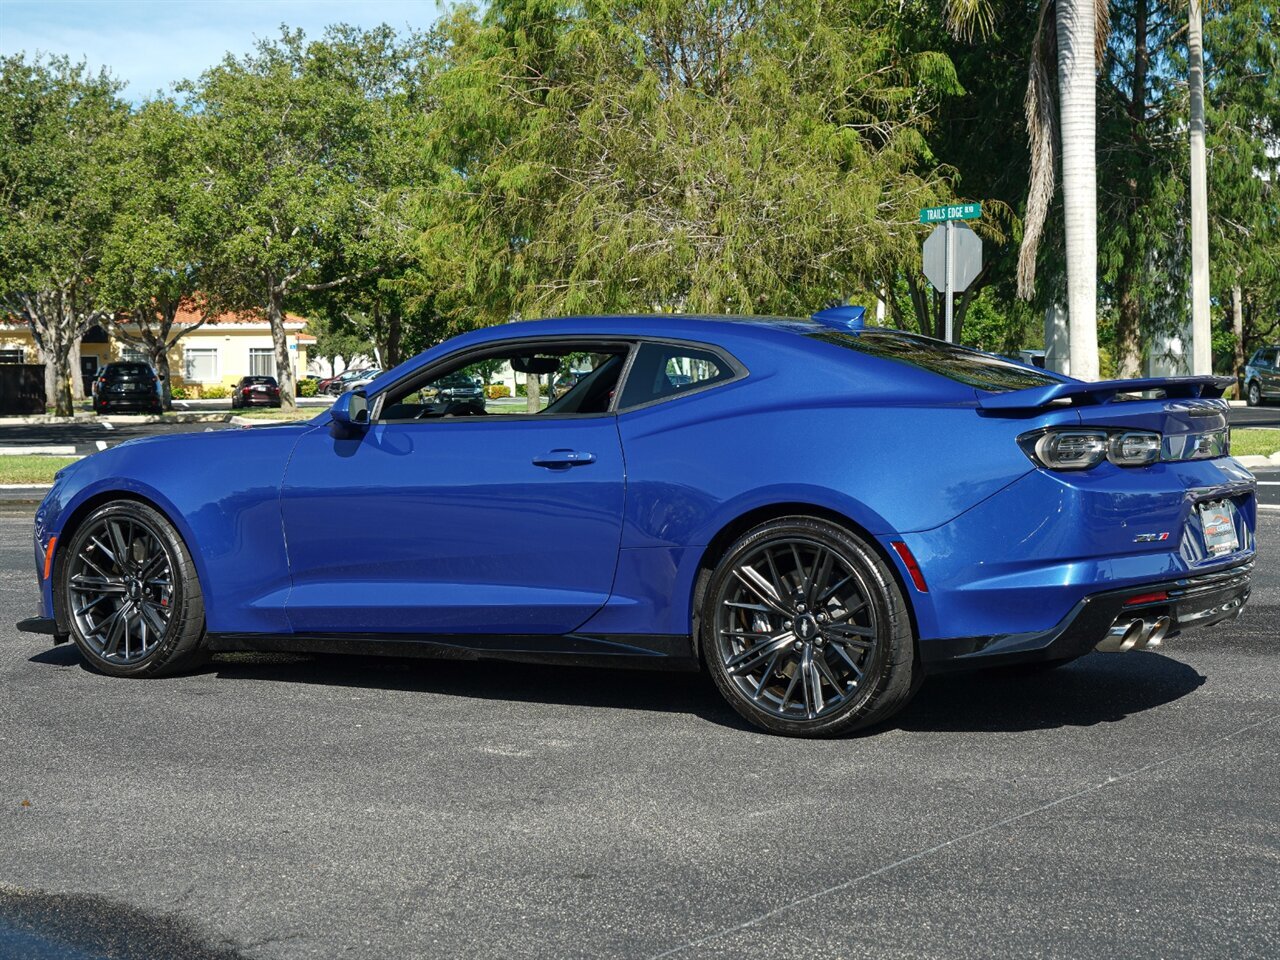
[664, 370]
[520, 380]
[1269, 357]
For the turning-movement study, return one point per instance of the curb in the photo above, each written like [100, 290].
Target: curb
[25, 493]
[61, 450]
[220, 416]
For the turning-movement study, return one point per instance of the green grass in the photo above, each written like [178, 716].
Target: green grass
[1252, 441]
[273, 413]
[31, 469]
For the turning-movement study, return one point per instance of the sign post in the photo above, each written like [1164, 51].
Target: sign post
[952, 253]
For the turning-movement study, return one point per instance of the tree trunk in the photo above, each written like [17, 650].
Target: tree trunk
[1129, 319]
[160, 361]
[63, 402]
[1201, 334]
[394, 333]
[1077, 91]
[533, 389]
[1128, 330]
[1237, 327]
[284, 367]
[77, 375]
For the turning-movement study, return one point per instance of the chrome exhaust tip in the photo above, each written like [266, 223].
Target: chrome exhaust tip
[1159, 630]
[1123, 637]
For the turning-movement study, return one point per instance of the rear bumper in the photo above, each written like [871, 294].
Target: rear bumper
[148, 401]
[1191, 601]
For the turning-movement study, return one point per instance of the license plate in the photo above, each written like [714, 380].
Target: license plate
[1218, 523]
[259, 389]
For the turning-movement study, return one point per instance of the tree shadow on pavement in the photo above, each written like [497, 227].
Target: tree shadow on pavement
[1098, 688]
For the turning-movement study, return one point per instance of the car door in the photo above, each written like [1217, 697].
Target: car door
[467, 525]
[1268, 375]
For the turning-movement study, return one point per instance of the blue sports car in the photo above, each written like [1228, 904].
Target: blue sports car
[817, 512]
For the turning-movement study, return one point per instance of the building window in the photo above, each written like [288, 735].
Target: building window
[11, 356]
[134, 355]
[200, 364]
[262, 362]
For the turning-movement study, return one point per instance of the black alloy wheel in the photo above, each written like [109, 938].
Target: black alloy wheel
[805, 630]
[127, 589]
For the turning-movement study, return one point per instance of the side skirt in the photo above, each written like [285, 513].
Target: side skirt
[628, 651]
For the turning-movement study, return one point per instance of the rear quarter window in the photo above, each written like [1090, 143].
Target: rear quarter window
[662, 370]
[944, 359]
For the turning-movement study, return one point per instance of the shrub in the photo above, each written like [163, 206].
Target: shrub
[307, 388]
[495, 391]
[179, 393]
[215, 391]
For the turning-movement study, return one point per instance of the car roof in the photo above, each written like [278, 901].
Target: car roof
[758, 341]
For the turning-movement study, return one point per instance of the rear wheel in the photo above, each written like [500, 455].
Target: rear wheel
[1253, 394]
[805, 631]
[129, 594]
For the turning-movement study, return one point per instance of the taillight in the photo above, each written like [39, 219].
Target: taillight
[245, 391]
[1076, 449]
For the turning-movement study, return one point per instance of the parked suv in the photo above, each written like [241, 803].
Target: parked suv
[255, 392]
[126, 385]
[1262, 376]
[342, 382]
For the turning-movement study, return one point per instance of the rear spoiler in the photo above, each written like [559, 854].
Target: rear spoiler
[1080, 392]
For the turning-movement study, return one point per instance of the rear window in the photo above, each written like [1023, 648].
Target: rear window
[269, 381]
[955, 363]
[130, 369]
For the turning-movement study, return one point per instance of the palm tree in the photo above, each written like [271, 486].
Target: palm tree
[1071, 35]
[1201, 352]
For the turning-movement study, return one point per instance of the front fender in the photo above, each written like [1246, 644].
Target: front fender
[221, 491]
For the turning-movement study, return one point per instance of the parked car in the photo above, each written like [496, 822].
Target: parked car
[342, 382]
[567, 382]
[126, 385]
[456, 390]
[1262, 376]
[824, 514]
[255, 392]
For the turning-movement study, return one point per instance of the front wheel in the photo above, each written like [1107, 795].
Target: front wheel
[805, 630]
[1253, 395]
[128, 591]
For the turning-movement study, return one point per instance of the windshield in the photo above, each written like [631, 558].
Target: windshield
[947, 360]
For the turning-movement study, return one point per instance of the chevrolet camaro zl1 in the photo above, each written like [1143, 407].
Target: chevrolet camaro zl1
[817, 512]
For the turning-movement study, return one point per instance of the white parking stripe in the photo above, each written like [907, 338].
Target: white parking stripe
[102, 444]
[1269, 506]
[108, 424]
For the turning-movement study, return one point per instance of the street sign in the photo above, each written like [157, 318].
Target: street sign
[952, 261]
[953, 211]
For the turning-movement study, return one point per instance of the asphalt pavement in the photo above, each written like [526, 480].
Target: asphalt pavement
[1127, 805]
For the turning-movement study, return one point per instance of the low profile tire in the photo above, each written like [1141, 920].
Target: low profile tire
[128, 591]
[1253, 394]
[805, 630]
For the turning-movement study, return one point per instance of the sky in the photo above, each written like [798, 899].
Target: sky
[152, 44]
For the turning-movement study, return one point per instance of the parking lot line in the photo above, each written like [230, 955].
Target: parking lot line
[1092, 788]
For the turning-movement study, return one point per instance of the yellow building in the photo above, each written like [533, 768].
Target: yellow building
[218, 353]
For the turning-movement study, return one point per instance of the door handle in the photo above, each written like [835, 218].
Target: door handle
[558, 459]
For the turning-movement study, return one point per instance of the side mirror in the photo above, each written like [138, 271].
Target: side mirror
[350, 413]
